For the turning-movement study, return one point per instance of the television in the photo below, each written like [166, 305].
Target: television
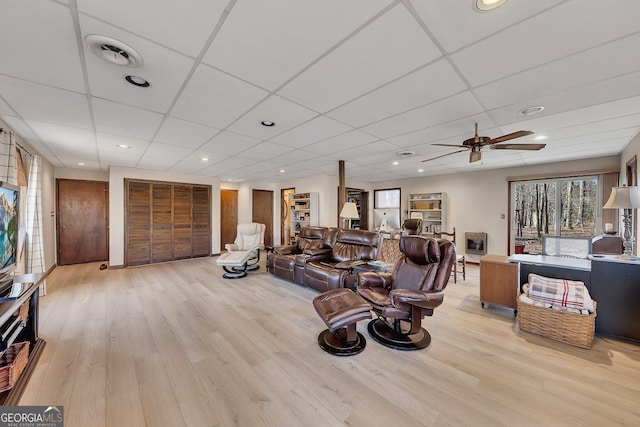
[9, 206]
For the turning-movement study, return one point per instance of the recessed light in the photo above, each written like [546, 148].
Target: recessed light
[122, 146]
[539, 138]
[204, 159]
[530, 111]
[281, 170]
[80, 164]
[420, 170]
[396, 163]
[267, 123]
[137, 81]
[486, 5]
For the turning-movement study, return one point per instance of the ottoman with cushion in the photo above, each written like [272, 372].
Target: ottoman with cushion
[341, 309]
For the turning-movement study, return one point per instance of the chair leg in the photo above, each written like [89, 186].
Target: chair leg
[464, 269]
[455, 272]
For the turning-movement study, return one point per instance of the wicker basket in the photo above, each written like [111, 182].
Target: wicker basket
[569, 328]
[12, 363]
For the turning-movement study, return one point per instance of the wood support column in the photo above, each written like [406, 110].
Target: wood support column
[342, 191]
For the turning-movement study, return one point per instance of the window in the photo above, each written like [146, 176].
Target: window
[557, 207]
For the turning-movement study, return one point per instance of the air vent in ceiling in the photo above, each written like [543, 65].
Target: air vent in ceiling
[113, 51]
[406, 153]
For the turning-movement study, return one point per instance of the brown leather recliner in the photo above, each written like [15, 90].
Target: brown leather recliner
[415, 288]
[334, 270]
[288, 261]
[412, 226]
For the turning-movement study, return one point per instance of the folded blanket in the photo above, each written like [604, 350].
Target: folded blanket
[560, 292]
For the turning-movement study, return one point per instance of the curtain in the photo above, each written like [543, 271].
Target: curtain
[8, 171]
[35, 249]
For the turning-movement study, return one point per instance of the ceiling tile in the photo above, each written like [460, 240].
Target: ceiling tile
[81, 139]
[603, 62]
[156, 150]
[449, 109]
[53, 105]
[546, 37]
[194, 163]
[260, 32]
[215, 99]
[184, 134]
[385, 50]
[164, 69]
[228, 166]
[312, 131]
[39, 44]
[345, 141]
[123, 120]
[446, 19]
[156, 163]
[170, 23]
[424, 86]
[264, 151]
[462, 129]
[228, 143]
[372, 148]
[285, 114]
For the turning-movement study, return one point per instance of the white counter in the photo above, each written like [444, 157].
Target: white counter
[553, 261]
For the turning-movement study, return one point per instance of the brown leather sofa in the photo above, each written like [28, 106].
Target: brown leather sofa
[334, 269]
[323, 257]
[288, 261]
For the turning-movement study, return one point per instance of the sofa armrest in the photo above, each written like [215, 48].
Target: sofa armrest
[230, 247]
[286, 250]
[349, 264]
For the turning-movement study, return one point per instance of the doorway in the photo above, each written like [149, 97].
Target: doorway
[285, 221]
[82, 221]
[262, 212]
[228, 216]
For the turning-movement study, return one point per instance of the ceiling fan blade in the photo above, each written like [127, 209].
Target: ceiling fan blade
[444, 155]
[509, 136]
[451, 145]
[519, 146]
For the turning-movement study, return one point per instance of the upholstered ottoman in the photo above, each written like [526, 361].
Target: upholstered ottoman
[234, 263]
[341, 309]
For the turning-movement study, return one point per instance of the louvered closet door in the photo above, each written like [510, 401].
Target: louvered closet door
[201, 221]
[138, 242]
[181, 222]
[162, 220]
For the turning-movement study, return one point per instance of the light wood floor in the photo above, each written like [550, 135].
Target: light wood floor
[175, 344]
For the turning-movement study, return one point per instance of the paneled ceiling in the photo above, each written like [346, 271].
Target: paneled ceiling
[357, 80]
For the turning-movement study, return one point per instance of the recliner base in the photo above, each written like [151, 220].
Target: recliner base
[336, 342]
[381, 332]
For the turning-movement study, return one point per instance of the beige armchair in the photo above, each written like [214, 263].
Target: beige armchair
[249, 237]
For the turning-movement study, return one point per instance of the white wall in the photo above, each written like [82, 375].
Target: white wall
[117, 198]
[476, 201]
[81, 174]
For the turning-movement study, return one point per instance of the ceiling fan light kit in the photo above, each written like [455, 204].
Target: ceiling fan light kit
[476, 143]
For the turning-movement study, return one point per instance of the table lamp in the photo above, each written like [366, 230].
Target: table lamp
[349, 211]
[625, 198]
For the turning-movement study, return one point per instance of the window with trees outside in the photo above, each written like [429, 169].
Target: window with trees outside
[556, 207]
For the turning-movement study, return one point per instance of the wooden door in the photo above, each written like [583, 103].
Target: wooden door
[262, 212]
[82, 221]
[285, 212]
[181, 221]
[228, 216]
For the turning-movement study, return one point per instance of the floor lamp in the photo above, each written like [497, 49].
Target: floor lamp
[349, 211]
[627, 199]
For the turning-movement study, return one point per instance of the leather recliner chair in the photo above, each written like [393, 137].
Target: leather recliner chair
[412, 226]
[334, 269]
[249, 237]
[413, 290]
[287, 262]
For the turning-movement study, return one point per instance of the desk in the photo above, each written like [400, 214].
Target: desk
[612, 282]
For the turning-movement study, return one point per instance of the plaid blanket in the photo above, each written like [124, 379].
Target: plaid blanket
[559, 292]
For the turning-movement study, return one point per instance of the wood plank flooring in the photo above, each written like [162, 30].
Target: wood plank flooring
[177, 345]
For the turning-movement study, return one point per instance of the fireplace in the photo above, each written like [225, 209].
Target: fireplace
[476, 243]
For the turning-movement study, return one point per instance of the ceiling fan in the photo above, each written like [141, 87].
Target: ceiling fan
[476, 143]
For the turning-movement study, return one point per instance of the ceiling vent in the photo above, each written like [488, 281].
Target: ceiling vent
[406, 153]
[113, 51]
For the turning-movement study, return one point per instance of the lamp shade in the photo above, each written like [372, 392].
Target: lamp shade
[623, 198]
[349, 210]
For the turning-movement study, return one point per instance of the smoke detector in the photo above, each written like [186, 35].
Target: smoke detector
[113, 51]
[406, 153]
